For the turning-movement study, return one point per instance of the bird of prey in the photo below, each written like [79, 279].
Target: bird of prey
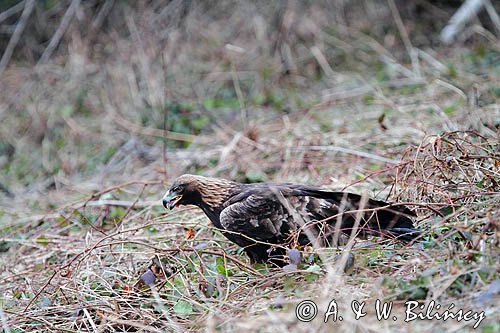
[266, 219]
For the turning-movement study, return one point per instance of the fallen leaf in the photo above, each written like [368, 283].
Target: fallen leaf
[148, 277]
[190, 233]
[183, 307]
[295, 256]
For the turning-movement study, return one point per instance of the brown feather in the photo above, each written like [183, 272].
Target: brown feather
[267, 218]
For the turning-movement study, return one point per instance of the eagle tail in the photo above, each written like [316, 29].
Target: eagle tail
[392, 220]
[381, 218]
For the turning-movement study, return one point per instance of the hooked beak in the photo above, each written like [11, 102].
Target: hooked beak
[171, 199]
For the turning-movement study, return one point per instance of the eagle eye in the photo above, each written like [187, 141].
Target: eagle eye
[178, 188]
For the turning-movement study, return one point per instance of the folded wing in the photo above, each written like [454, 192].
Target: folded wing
[285, 214]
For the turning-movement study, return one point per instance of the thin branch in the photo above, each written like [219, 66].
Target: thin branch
[16, 36]
[347, 151]
[493, 14]
[464, 14]
[11, 11]
[412, 52]
[65, 22]
[103, 12]
[3, 319]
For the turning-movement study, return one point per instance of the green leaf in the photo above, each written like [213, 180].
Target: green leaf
[42, 240]
[183, 307]
[106, 196]
[117, 212]
[67, 111]
[152, 229]
[311, 277]
[314, 269]
[255, 176]
[200, 122]
[289, 284]
[450, 109]
[221, 269]
[261, 268]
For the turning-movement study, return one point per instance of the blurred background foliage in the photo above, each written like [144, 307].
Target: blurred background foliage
[104, 102]
[138, 70]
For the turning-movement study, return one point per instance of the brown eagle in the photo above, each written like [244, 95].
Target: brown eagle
[266, 219]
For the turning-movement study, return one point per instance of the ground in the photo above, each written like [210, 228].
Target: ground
[330, 94]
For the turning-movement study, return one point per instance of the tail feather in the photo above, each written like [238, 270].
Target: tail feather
[381, 218]
[405, 234]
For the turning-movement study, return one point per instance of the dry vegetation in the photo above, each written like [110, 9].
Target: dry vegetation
[334, 94]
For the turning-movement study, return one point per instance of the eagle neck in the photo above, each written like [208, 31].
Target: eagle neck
[213, 214]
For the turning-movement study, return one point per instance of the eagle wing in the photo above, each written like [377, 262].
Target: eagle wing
[258, 214]
[265, 214]
[269, 212]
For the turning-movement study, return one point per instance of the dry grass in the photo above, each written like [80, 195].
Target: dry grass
[80, 268]
[90, 140]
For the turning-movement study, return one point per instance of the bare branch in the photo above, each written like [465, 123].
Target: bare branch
[65, 22]
[28, 8]
[463, 15]
[11, 11]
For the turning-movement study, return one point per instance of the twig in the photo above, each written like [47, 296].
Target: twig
[65, 22]
[129, 208]
[103, 12]
[320, 58]
[347, 151]
[98, 194]
[11, 11]
[493, 14]
[488, 35]
[239, 94]
[28, 9]
[373, 173]
[123, 203]
[412, 52]
[463, 15]
[334, 94]
[133, 323]
[100, 243]
[131, 126]
[3, 318]
[389, 60]
[432, 61]
[91, 321]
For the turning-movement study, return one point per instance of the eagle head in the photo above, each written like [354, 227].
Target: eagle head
[197, 190]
